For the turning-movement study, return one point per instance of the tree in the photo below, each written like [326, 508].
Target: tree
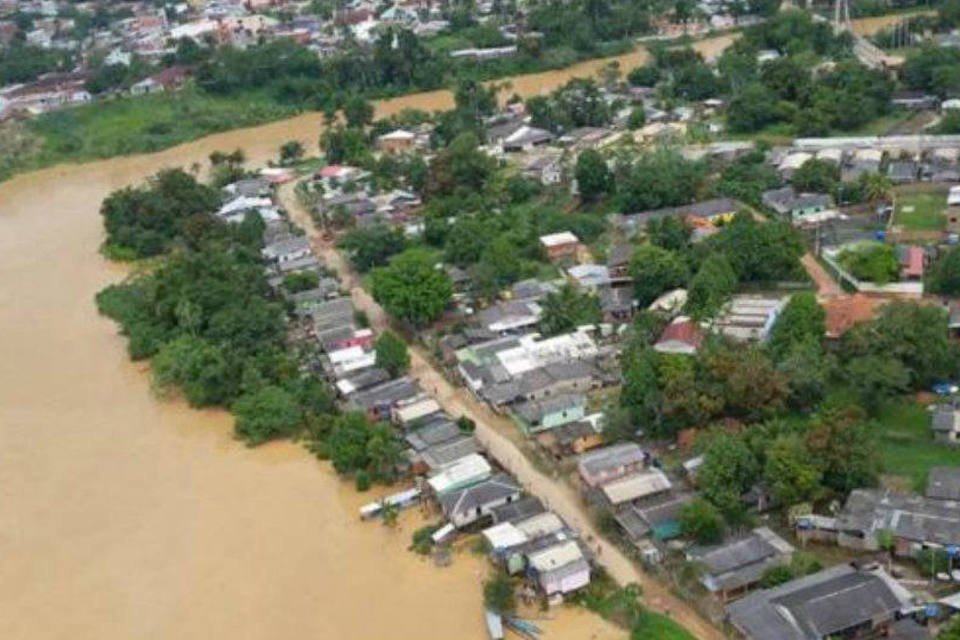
[943, 276]
[808, 371]
[498, 594]
[567, 309]
[729, 469]
[742, 380]
[876, 187]
[845, 447]
[791, 472]
[644, 76]
[876, 378]
[461, 165]
[193, 365]
[802, 320]
[875, 262]
[291, 152]
[640, 393]
[372, 246]
[343, 145]
[357, 112]
[932, 561]
[411, 288]
[594, 179]
[815, 175]
[669, 232]
[654, 271]
[660, 178]
[758, 251]
[346, 445]
[301, 281]
[265, 414]
[701, 521]
[711, 287]
[392, 354]
[637, 118]
[752, 108]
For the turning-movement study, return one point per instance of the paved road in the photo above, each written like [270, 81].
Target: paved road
[495, 433]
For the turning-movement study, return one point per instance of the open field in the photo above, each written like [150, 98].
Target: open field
[921, 209]
[907, 448]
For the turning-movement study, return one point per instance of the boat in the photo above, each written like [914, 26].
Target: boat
[494, 624]
[400, 500]
[523, 628]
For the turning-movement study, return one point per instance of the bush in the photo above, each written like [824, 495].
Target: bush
[422, 541]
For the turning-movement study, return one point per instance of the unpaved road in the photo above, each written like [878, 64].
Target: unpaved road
[495, 433]
[827, 287]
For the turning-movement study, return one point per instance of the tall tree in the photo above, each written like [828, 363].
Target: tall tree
[391, 353]
[411, 288]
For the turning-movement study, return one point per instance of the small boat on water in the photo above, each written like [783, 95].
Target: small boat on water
[400, 500]
[523, 628]
[494, 624]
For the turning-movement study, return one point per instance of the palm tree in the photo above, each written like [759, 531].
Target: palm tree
[876, 187]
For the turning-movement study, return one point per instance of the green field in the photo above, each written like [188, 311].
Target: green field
[921, 210]
[655, 626]
[906, 445]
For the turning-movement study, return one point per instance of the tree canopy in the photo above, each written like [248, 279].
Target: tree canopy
[411, 288]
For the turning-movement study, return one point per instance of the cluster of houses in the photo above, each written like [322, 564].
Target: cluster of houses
[346, 196]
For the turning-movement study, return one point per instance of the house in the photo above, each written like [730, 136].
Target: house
[657, 516]
[526, 138]
[617, 304]
[903, 171]
[539, 415]
[589, 276]
[442, 455]
[378, 400]
[361, 380]
[914, 522]
[912, 262]
[749, 317]
[469, 504]
[943, 483]
[681, 337]
[169, 79]
[560, 245]
[560, 569]
[519, 510]
[618, 261]
[798, 207]
[610, 463]
[465, 472]
[573, 438]
[408, 412]
[945, 424]
[398, 141]
[840, 601]
[734, 567]
[545, 168]
[640, 484]
[291, 248]
[510, 315]
[844, 312]
[714, 210]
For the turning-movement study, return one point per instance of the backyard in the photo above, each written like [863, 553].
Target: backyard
[921, 209]
[906, 445]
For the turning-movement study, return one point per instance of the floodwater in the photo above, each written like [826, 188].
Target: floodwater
[125, 517]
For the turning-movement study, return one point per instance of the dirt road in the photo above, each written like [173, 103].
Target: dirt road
[827, 287]
[496, 434]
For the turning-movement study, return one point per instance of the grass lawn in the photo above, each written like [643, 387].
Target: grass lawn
[906, 445]
[655, 626]
[921, 210]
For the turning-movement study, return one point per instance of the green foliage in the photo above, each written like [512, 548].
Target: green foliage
[291, 152]
[729, 469]
[193, 365]
[146, 220]
[669, 232]
[702, 522]
[301, 281]
[752, 108]
[747, 177]
[875, 378]
[265, 414]
[660, 178]
[932, 69]
[932, 561]
[758, 251]
[21, 62]
[354, 445]
[498, 594]
[344, 145]
[392, 354]
[792, 474]
[578, 103]
[357, 112]
[802, 320]
[845, 446]
[776, 576]
[643, 76]
[372, 246]
[411, 288]
[914, 334]
[461, 165]
[567, 309]
[874, 262]
[422, 540]
[656, 270]
[594, 179]
[943, 276]
[637, 118]
[711, 287]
